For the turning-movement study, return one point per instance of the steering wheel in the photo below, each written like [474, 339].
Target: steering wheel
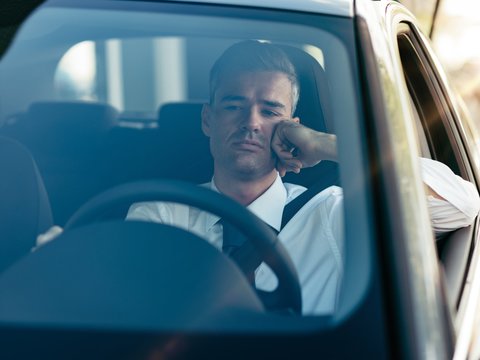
[287, 295]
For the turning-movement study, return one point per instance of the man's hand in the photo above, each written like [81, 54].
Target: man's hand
[297, 146]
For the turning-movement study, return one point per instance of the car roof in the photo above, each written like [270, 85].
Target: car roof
[330, 7]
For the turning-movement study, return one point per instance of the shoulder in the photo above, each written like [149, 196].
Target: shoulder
[326, 204]
[326, 207]
[332, 194]
[293, 190]
[330, 199]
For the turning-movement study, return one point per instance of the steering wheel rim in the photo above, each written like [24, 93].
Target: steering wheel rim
[262, 237]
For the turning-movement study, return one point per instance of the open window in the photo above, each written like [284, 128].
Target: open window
[439, 139]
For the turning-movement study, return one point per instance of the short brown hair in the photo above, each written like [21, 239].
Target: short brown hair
[251, 55]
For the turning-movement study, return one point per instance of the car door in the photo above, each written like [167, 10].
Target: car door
[301, 337]
[447, 135]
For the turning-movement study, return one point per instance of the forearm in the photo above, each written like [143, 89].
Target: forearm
[325, 146]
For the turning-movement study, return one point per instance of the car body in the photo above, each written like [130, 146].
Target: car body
[102, 93]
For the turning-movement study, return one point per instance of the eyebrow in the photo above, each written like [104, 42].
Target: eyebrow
[274, 104]
[233, 98]
[270, 103]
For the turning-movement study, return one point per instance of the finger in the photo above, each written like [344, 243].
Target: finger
[285, 156]
[280, 141]
[281, 147]
[292, 163]
[294, 169]
[283, 168]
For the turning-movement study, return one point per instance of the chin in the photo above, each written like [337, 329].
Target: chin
[254, 170]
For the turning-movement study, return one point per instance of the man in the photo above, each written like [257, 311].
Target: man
[253, 89]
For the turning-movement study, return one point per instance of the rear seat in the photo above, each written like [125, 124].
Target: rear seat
[67, 141]
[176, 148]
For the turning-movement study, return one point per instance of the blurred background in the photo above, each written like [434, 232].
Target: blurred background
[454, 28]
[457, 42]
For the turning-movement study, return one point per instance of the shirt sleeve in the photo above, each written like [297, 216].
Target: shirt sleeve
[461, 204]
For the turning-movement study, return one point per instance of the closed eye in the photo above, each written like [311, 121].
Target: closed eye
[232, 107]
[270, 113]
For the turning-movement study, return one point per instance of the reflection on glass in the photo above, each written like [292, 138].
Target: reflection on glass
[75, 75]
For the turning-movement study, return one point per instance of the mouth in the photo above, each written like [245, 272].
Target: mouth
[247, 145]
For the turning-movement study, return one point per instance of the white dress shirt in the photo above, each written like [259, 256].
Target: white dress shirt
[314, 236]
[462, 201]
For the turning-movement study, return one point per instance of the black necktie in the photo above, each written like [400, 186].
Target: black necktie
[232, 238]
[241, 250]
[237, 247]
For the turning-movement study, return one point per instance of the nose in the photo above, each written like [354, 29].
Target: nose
[252, 120]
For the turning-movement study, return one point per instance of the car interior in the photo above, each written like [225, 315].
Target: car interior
[77, 149]
[100, 107]
[82, 148]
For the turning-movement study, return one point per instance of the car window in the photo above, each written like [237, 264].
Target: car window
[436, 125]
[116, 96]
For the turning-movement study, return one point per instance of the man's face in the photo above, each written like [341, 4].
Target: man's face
[239, 122]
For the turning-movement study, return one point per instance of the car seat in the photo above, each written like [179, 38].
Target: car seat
[24, 207]
[314, 111]
[67, 141]
[180, 127]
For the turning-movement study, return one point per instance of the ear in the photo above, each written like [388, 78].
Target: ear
[206, 119]
[296, 119]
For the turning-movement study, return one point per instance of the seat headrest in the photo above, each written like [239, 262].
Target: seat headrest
[313, 106]
[180, 131]
[54, 128]
[73, 116]
[184, 117]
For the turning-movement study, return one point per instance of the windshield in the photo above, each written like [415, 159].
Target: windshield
[102, 97]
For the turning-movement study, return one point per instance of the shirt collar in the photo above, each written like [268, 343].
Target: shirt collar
[268, 206]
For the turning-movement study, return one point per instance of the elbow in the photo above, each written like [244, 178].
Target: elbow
[472, 213]
[472, 205]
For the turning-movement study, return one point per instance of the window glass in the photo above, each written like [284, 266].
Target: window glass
[76, 72]
[116, 96]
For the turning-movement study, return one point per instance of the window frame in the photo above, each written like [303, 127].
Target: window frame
[455, 250]
[359, 203]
